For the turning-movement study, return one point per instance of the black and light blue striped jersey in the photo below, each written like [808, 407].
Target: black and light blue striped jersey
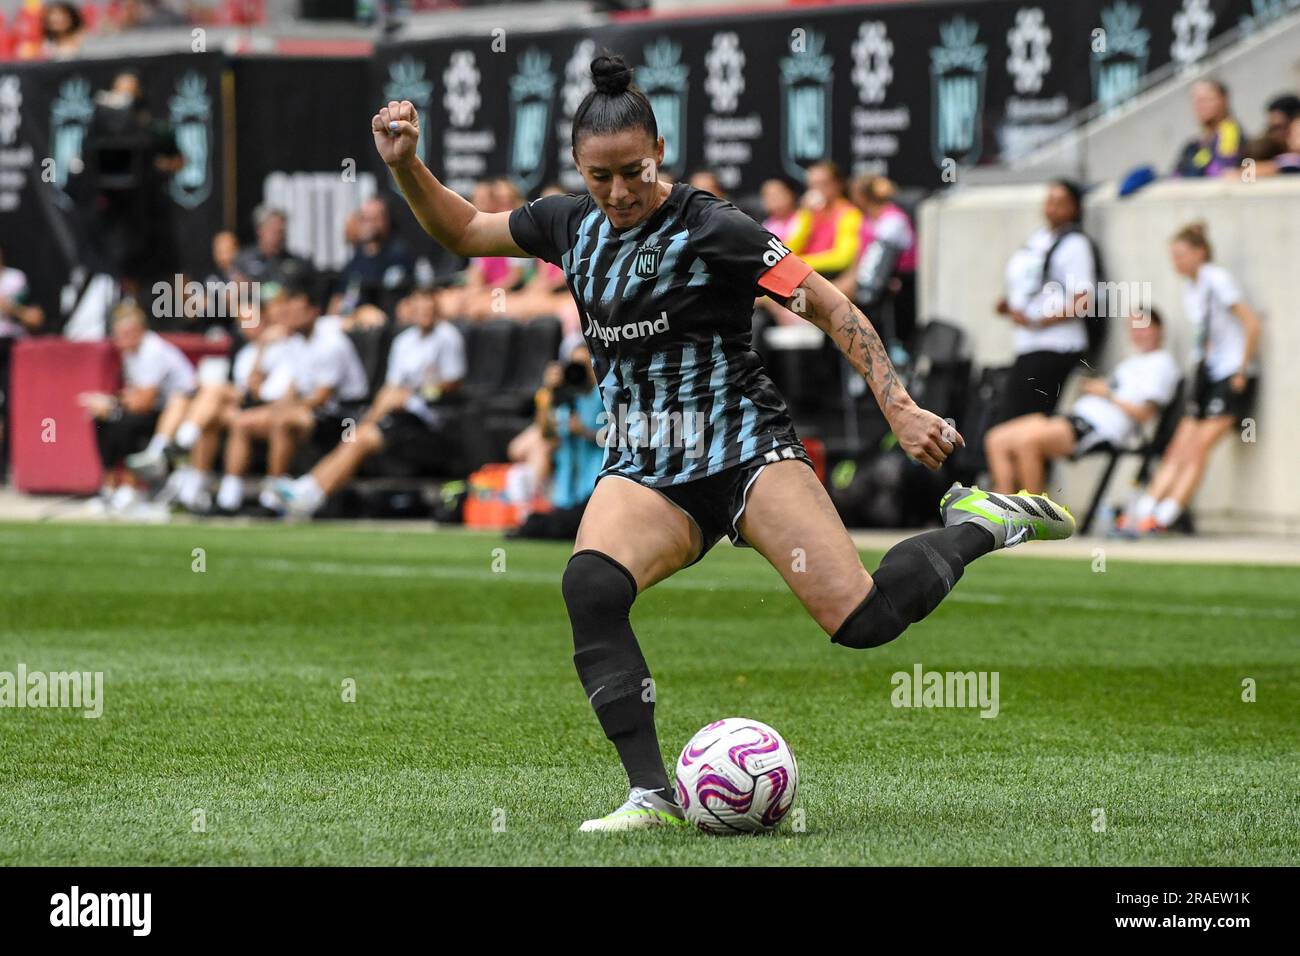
[667, 309]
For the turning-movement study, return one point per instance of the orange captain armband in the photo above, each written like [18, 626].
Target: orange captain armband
[784, 277]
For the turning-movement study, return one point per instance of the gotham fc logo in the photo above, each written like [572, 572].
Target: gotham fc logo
[191, 115]
[648, 258]
[806, 104]
[70, 117]
[532, 91]
[1119, 55]
[958, 68]
[663, 78]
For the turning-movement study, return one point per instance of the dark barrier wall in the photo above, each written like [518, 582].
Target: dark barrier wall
[905, 89]
[45, 110]
[900, 89]
[303, 143]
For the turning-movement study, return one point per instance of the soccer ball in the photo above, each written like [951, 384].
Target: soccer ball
[736, 776]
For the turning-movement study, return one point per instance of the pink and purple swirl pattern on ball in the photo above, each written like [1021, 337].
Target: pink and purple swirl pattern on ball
[693, 753]
[712, 784]
[683, 796]
[766, 744]
[780, 780]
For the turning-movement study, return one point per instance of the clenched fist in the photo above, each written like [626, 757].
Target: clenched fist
[397, 129]
[925, 436]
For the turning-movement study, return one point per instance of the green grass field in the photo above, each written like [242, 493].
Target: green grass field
[470, 740]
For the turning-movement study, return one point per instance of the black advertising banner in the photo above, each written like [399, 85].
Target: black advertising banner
[303, 145]
[908, 90]
[45, 112]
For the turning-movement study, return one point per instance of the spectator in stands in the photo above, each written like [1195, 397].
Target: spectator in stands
[1110, 412]
[17, 320]
[780, 206]
[781, 211]
[1275, 140]
[267, 260]
[530, 451]
[328, 393]
[1223, 385]
[381, 267]
[572, 426]
[223, 293]
[886, 266]
[158, 382]
[707, 180]
[1051, 282]
[1219, 144]
[148, 14]
[411, 416]
[488, 279]
[65, 30]
[17, 317]
[827, 232]
[1288, 162]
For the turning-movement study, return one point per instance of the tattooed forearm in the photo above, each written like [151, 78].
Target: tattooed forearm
[858, 340]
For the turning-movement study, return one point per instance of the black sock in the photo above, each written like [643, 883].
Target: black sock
[914, 576]
[599, 593]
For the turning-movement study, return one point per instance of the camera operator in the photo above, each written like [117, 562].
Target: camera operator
[127, 160]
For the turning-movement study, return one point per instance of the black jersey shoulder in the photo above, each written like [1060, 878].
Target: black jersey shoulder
[546, 227]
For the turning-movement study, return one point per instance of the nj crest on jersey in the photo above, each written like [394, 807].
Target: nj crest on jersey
[648, 257]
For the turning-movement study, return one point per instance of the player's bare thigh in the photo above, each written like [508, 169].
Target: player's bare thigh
[639, 528]
[789, 519]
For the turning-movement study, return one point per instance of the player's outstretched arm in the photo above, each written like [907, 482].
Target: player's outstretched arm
[445, 215]
[925, 436]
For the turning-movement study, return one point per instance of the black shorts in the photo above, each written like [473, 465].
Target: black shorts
[124, 433]
[716, 503]
[1035, 382]
[1086, 438]
[1212, 399]
[420, 443]
[330, 423]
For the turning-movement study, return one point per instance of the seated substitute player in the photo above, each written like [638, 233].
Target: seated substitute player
[158, 381]
[666, 276]
[1110, 412]
[426, 366]
[329, 385]
[263, 371]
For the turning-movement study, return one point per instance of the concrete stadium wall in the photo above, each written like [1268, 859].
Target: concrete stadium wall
[967, 236]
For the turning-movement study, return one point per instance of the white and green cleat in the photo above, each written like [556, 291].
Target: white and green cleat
[644, 808]
[1011, 519]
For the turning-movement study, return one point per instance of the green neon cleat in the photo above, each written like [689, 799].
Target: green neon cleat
[1011, 519]
[644, 808]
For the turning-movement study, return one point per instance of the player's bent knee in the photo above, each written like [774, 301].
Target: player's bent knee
[597, 590]
[872, 623]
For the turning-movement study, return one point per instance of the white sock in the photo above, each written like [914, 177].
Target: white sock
[1144, 508]
[187, 435]
[230, 494]
[309, 494]
[1167, 512]
[123, 498]
[157, 445]
[189, 482]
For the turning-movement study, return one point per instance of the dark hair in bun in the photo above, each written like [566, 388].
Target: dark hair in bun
[614, 104]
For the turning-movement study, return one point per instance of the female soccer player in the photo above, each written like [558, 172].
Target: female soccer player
[699, 442]
[1224, 385]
